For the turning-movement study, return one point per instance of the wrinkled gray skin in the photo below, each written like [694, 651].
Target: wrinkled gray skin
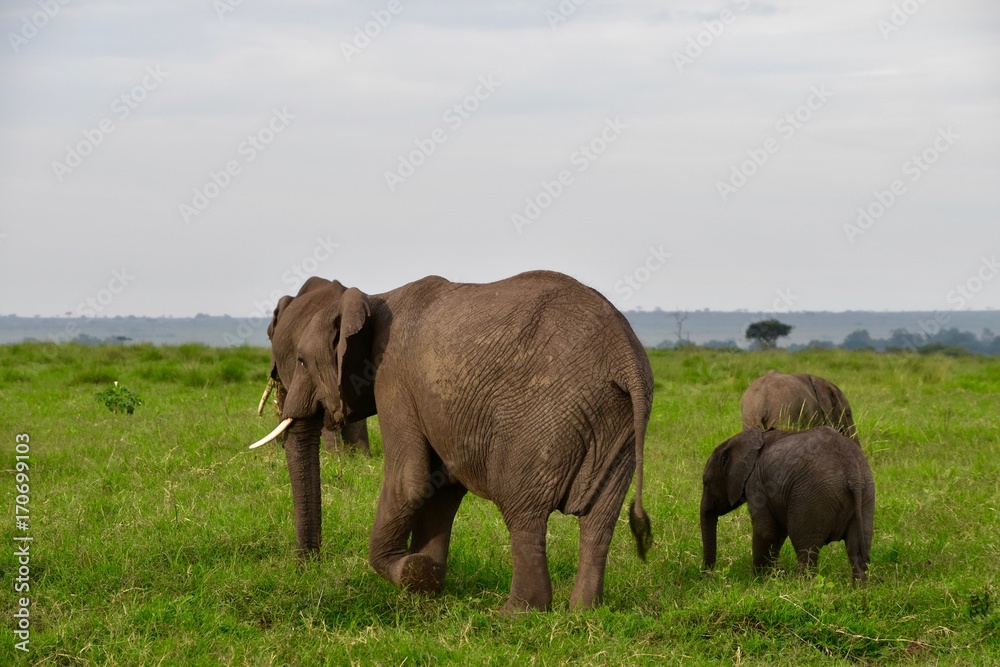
[812, 486]
[532, 392]
[797, 401]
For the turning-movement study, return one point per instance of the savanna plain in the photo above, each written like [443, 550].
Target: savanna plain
[159, 539]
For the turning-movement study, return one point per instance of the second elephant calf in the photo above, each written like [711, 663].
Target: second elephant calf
[812, 486]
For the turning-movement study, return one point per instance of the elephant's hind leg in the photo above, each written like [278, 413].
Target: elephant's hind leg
[596, 529]
[530, 586]
[768, 537]
[808, 555]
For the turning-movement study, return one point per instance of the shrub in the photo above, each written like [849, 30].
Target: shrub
[118, 399]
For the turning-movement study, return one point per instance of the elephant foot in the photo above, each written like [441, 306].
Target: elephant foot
[515, 606]
[421, 574]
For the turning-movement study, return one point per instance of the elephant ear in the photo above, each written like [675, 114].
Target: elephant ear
[840, 415]
[355, 368]
[278, 310]
[831, 400]
[741, 459]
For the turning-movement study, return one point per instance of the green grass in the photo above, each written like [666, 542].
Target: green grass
[160, 539]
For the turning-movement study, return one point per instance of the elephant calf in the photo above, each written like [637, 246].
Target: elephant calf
[812, 486]
[797, 401]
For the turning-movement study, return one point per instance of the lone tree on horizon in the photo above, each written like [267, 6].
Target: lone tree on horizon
[767, 332]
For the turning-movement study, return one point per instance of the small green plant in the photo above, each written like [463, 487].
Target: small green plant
[119, 399]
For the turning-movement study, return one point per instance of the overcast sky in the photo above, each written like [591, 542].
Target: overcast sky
[198, 156]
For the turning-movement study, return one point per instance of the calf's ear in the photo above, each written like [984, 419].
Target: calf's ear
[740, 461]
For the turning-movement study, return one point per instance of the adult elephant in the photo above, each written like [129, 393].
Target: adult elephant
[532, 392]
[352, 437]
[797, 401]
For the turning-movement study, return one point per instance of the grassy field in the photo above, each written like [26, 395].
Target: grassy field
[158, 538]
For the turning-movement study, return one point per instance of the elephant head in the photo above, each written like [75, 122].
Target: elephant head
[723, 484]
[321, 349]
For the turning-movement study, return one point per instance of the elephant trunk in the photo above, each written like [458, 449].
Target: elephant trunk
[302, 456]
[709, 525]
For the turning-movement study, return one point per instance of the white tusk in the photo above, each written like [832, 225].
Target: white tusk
[273, 434]
[267, 392]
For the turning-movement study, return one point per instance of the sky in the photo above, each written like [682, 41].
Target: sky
[205, 156]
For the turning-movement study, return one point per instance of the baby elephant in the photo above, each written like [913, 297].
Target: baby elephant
[797, 401]
[813, 486]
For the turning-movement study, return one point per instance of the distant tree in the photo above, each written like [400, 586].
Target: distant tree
[902, 339]
[857, 340]
[994, 346]
[955, 338]
[767, 332]
[679, 318]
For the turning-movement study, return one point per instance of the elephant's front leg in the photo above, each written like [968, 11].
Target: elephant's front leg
[530, 587]
[407, 471]
[432, 523]
[387, 549]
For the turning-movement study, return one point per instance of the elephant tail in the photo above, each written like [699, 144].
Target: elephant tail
[638, 520]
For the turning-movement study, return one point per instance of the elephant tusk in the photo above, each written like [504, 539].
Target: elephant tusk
[267, 392]
[273, 434]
